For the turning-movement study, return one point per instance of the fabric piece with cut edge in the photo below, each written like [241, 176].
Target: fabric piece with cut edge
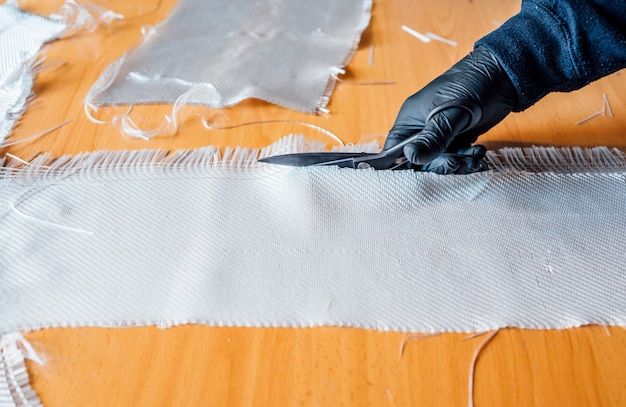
[283, 52]
[137, 238]
[21, 36]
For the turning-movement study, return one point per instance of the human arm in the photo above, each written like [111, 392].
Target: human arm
[551, 45]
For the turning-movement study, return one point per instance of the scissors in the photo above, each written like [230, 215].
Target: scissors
[388, 159]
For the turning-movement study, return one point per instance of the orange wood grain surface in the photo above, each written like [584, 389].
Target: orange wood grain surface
[217, 366]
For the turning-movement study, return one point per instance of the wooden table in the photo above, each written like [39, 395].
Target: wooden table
[199, 365]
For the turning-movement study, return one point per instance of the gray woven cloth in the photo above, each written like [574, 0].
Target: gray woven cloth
[282, 51]
[135, 238]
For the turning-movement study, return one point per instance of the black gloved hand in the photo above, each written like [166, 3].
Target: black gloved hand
[451, 112]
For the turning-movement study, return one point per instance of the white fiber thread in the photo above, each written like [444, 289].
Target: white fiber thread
[607, 105]
[416, 34]
[335, 72]
[84, 17]
[170, 126]
[428, 36]
[107, 78]
[104, 82]
[320, 129]
[606, 110]
[365, 83]
[481, 346]
[16, 158]
[586, 119]
[48, 223]
[441, 39]
[129, 127]
[35, 136]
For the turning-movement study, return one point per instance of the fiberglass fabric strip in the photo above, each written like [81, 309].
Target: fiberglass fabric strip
[282, 51]
[132, 238]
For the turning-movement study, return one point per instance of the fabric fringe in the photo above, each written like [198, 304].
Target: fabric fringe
[16, 88]
[531, 159]
[128, 162]
[15, 389]
[45, 164]
[557, 159]
[16, 94]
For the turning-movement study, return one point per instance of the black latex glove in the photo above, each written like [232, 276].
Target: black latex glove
[478, 95]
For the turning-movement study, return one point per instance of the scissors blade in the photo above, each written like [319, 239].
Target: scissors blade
[310, 159]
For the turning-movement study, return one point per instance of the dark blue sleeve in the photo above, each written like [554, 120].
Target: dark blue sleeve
[559, 45]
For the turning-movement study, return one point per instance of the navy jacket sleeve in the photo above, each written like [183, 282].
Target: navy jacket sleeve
[559, 45]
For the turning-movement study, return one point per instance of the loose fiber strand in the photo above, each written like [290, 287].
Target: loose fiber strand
[472, 370]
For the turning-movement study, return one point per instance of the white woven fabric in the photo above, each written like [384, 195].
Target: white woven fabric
[21, 36]
[282, 51]
[133, 238]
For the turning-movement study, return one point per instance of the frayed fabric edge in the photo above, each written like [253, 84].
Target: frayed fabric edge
[17, 82]
[513, 159]
[72, 18]
[15, 388]
[18, 92]
[557, 159]
[366, 16]
[15, 96]
[126, 125]
[84, 17]
[231, 159]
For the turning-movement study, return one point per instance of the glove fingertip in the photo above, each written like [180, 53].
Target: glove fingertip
[423, 150]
